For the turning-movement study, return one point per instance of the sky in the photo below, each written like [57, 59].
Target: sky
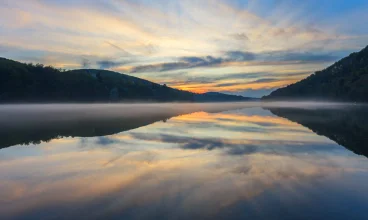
[245, 47]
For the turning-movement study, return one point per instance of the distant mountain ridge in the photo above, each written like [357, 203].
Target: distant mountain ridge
[220, 97]
[28, 83]
[346, 80]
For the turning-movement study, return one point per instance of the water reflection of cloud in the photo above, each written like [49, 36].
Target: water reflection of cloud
[161, 171]
[106, 141]
[234, 133]
[240, 146]
[153, 179]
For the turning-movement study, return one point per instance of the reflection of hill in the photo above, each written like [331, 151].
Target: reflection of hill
[24, 124]
[347, 127]
[82, 128]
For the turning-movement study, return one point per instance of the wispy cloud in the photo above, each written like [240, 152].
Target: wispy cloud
[182, 63]
[240, 57]
[107, 64]
[125, 53]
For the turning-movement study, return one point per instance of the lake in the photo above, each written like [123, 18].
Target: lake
[184, 161]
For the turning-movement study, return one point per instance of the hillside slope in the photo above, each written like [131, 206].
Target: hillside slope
[36, 83]
[346, 80]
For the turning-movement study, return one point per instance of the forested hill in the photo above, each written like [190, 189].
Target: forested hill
[29, 83]
[346, 80]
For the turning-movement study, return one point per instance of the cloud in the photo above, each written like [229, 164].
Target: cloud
[243, 150]
[159, 67]
[182, 63]
[226, 84]
[256, 75]
[304, 57]
[240, 56]
[229, 57]
[108, 64]
[195, 61]
[264, 80]
[240, 36]
[201, 61]
[125, 53]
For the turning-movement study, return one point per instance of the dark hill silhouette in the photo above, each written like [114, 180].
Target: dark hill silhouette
[29, 83]
[346, 80]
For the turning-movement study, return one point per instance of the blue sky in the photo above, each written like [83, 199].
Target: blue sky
[247, 47]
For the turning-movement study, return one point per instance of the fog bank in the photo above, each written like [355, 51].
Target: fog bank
[41, 113]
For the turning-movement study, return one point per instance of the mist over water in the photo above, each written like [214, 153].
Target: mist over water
[28, 113]
[184, 160]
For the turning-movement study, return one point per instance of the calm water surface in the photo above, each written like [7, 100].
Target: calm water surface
[254, 163]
